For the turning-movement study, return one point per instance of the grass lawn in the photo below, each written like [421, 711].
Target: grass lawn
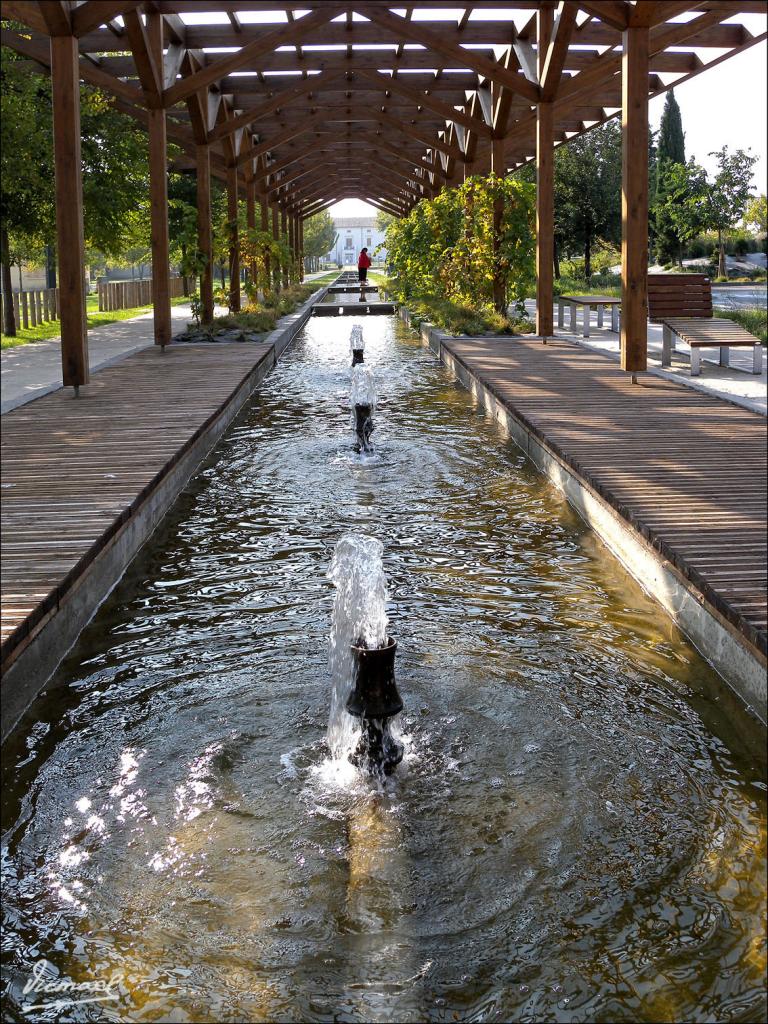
[43, 332]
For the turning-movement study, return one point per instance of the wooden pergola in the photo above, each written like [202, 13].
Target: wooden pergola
[297, 105]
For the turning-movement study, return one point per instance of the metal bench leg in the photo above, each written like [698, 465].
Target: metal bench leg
[725, 355]
[587, 312]
[573, 318]
[600, 311]
[560, 314]
[667, 344]
[695, 362]
[757, 359]
[615, 319]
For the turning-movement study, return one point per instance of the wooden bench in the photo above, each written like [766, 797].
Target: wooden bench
[682, 303]
[699, 334]
[588, 301]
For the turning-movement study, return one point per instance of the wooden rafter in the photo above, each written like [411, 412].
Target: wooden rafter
[399, 26]
[219, 69]
[88, 16]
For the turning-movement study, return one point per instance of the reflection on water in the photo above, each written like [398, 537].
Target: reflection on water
[575, 833]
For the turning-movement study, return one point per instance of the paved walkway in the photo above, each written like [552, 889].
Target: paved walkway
[30, 371]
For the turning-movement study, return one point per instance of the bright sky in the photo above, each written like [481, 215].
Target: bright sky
[725, 106]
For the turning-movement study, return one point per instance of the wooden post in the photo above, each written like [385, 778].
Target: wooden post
[284, 234]
[24, 311]
[634, 199]
[234, 239]
[498, 165]
[300, 223]
[158, 196]
[65, 90]
[267, 284]
[250, 219]
[545, 195]
[276, 236]
[204, 233]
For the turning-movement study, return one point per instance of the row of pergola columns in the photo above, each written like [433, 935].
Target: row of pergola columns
[288, 223]
[284, 222]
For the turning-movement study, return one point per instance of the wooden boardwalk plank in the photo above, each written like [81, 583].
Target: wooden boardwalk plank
[73, 471]
[687, 470]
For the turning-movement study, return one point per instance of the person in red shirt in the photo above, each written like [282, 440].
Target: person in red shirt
[363, 262]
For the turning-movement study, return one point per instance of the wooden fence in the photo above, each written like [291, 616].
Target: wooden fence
[40, 306]
[30, 308]
[132, 294]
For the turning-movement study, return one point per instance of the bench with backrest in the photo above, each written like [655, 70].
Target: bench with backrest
[682, 303]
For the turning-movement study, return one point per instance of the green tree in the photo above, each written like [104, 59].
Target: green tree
[26, 194]
[587, 184]
[671, 140]
[114, 163]
[383, 220]
[669, 155]
[473, 244]
[756, 214]
[728, 195]
[319, 235]
[682, 207]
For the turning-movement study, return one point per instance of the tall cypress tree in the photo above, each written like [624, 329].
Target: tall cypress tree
[670, 150]
[671, 145]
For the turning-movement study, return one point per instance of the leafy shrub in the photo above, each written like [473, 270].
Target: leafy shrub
[473, 244]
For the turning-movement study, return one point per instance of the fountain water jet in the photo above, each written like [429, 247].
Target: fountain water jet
[362, 659]
[363, 404]
[356, 344]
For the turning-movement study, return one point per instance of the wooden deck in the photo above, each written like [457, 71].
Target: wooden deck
[688, 471]
[75, 471]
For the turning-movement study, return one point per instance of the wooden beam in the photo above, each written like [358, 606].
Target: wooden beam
[65, 91]
[278, 101]
[56, 16]
[545, 204]
[402, 28]
[550, 74]
[204, 231]
[421, 134]
[612, 12]
[27, 12]
[88, 72]
[88, 16]
[634, 199]
[158, 195]
[287, 34]
[150, 75]
[424, 98]
[174, 58]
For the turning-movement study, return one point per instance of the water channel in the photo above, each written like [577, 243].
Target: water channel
[576, 832]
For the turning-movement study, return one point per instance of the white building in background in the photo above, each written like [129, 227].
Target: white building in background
[352, 233]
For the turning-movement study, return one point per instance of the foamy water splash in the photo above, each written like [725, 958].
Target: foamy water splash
[359, 616]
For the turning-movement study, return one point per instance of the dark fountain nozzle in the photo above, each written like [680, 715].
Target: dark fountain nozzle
[363, 427]
[375, 700]
[357, 356]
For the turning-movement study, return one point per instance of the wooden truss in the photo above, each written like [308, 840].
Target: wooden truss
[301, 103]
